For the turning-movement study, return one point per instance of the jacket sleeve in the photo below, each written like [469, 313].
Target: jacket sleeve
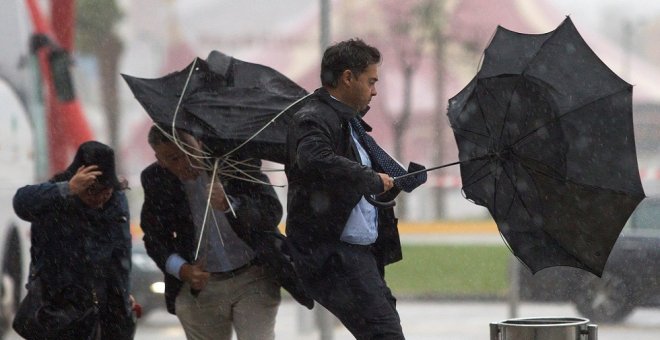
[122, 259]
[314, 154]
[33, 201]
[125, 226]
[157, 240]
[258, 210]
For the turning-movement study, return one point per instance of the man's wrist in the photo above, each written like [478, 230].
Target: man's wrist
[183, 272]
[174, 265]
[64, 188]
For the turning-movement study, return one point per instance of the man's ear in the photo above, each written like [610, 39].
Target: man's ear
[345, 78]
[191, 143]
[158, 161]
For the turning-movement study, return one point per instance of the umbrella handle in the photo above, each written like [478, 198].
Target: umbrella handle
[378, 204]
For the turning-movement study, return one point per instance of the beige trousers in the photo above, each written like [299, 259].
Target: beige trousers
[247, 302]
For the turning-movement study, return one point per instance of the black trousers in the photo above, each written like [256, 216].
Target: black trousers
[351, 286]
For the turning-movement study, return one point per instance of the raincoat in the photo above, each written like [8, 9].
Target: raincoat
[81, 254]
[326, 180]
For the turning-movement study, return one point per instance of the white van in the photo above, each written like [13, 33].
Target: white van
[17, 168]
[18, 91]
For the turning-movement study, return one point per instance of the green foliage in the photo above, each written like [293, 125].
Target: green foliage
[450, 271]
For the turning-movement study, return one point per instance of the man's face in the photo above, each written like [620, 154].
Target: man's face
[363, 87]
[173, 159]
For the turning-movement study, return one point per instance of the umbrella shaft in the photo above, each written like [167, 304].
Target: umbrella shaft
[425, 170]
[437, 167]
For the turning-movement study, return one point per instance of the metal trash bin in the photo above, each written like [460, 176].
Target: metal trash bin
[544, 328]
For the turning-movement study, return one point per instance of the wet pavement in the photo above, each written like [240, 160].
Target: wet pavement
[421, 320]
[428, 320]
[447, 320]
[424, 320]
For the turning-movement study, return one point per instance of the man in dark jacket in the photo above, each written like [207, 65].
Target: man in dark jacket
[231, 278]
[342, 242]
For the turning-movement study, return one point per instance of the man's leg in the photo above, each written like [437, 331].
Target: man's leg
[257, 298]
[352, 288]
[207, 316]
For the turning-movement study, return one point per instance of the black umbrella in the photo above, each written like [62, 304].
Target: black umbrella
[163, 97]
[239, 110]
[226, 102]
[546, 143]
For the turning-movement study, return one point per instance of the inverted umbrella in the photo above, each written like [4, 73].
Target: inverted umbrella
[162, 97]
[230, 105]
[546, 143]
[226, 102]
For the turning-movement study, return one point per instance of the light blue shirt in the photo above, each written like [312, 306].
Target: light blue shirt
[361, 227]
[222, 249]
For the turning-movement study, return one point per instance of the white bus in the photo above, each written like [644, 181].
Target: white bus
[17, 168]
[19, 101]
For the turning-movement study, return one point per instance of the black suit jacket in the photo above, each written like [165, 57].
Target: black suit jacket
[326, 181]
[168, 225]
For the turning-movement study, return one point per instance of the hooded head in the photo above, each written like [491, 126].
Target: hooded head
[94, 153]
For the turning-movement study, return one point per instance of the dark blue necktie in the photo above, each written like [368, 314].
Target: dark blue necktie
[386, 162]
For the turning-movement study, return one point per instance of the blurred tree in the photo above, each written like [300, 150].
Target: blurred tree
[431, 18]
[96, 21]
[413, 30]
[404, 38]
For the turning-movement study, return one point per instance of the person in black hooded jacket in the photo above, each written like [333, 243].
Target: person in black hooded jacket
[81, 246]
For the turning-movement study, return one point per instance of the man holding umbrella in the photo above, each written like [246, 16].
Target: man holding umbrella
[222, 269]
[340, 241]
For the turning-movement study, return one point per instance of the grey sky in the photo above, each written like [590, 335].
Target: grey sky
[591, 11]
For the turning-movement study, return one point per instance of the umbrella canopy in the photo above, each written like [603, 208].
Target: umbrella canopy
[546, 143]
[226, 102]
[162, 97]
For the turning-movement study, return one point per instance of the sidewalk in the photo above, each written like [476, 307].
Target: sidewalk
[430, 320]
[420, 321]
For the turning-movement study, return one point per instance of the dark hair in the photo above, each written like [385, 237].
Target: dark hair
[93, 153]
[156, 136]
[352, 55]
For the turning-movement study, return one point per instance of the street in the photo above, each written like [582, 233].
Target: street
[427, 320]
[447, 320]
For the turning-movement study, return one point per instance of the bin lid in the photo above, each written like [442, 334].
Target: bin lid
[545, 321]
